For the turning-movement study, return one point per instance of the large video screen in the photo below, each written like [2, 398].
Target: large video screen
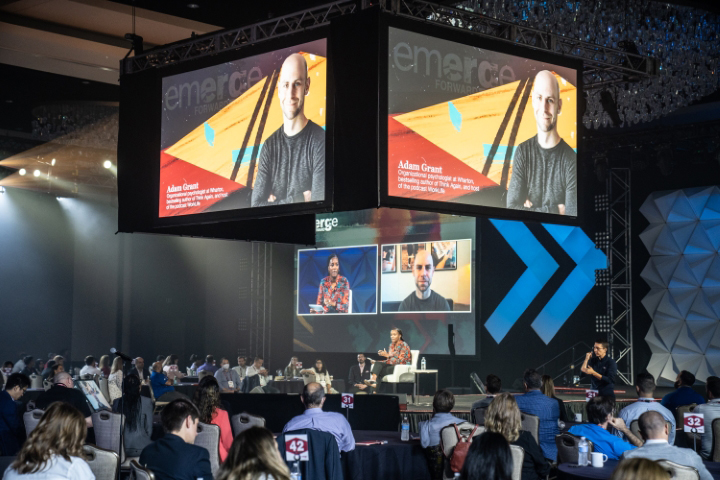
[377, 269]
[472, 126]
[245, 134]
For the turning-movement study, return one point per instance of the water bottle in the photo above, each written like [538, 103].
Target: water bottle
[405, 435]
[423, 364]
[457, 475]
[295, 471]
[583, 452]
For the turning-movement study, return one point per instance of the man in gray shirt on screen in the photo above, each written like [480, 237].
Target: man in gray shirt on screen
[544, 171]
[423, 299]
[291, 167]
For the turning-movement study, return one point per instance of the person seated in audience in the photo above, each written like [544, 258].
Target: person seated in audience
[241, 367]
[63, 391]
[29, 366]
[54, 448]
[546, 409]
[548, 389]
[171, 369]
[59, 359]
[228, 379]
[115, 379]
[48, 369]
[443, 403]
[160, 358]
[195, 363]
[645, 387]
[488, 457]
[599, 413]
[358, 374]
[138, 411]
[209, 365]
[254, 454]
[20, 364]
[161, 384]
[140, 370]
[655, 432]
[684, 394]
[90, 368]
[207, 400]
[313, 398]
[639, 469]
[503, 417]
[57, 368]
[174, 457]
[12, 430]
[257, 369]
[292, 370]
[710, 411]
[7, 370]
[322, 376]
[493, 385]
[105, 365]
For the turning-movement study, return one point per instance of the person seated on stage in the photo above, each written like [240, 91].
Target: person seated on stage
[241, 367]
[29, 366]
[358, 374]
[12, 430]
[546, 409]
[174, 457]
[443, 403]
[115, 379]
[162, 385]
[54, 448]
[138, 411]
[322, 376]
[195, 363]
[489, 457]
[548, 389]
[398, 353]
[711, 411]
[140, 370]
[655, 432]
[170, 367]
[639, 468]
[503, 417]
[684, 394]
[599, 414]
[423, 298]
[292, 370]
[257, 369]
[207, 400]
[645, 386]
[104, 365]
[254, 454]
[90, 367]
[209, 365]
[493, 385]
[228, 380]
[63, 391]
[313, 398]
[334, 290]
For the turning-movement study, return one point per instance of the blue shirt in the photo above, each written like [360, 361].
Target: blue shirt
[207, 366]
[634, 410]
[682, 396]
[10, 425]
[330, 422]
[603, 441]
[430, 429]
[157, 382]
[548, 410]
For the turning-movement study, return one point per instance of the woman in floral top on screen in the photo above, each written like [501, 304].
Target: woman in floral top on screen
[334, 291]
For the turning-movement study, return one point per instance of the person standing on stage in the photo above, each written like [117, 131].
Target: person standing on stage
[601, 368]
[398, 353]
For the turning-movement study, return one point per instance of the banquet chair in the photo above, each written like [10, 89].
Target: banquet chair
[204, 374]
[104, 464]
[30, 406]
[107, 426]
[140, 473]
[567, 447]
[478, 415]
[693, 439]
[635, 427]
[324, 455]
[679, 472]
[208, 437]
[518, 455]
[36, 382]
[715, 455]
[403, 373]
[308, 378]
[449, 439]
[244, 421]
[31, 420]
[531, 423]
[47, 385]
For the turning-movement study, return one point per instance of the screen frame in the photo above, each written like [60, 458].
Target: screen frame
[452, 34]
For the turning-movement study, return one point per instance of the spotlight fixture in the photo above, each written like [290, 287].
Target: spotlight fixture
[36, 173]
[602, 277]
[193, 5]
[22, 172]
[602, 240]
[602, 202]
[107, 164]
[602, 323]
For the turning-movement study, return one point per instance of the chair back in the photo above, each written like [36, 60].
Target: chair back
[715, 455]
[449, 438]
[518, 456]
[567, 447]
[257, 389]
[104, 464]
[204, 374]
[36, 381]
[243, 421]
[415, 360]
[324, 462]
[47, 385]
[31, 420]
[208, 437]
[635, 427]
[681, 411]
[350, 309]
[308, 378]
[679, 472]
[30, 406]
[107, 427]
[531, 423]
[140, 473]
[478, 415]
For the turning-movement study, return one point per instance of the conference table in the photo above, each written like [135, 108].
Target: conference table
[394, 459]
[567, 471]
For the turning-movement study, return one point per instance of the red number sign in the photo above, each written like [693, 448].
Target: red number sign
[590, 394]
[348, 400]
[694, 422]
[296, 446]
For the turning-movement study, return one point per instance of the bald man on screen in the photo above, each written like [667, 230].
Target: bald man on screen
[424, 299]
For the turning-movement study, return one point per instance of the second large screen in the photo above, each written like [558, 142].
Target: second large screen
[473, 126]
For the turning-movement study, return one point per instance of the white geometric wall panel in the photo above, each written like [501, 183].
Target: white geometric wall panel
[683, 239]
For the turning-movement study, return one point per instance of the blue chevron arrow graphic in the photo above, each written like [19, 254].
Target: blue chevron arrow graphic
[576, 286]
[540, 267]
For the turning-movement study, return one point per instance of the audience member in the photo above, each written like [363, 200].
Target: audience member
[174, 457]
[503, 417]
[684, 394]
[63, 391]
[12, 431]
[209, 365]
[207, 400]
[254, 455]
[546, 409]
[7, 370]
[313, 398]
[160, 358]
[29, 366]
[59, 359]
[599, 414]
[140, 370]
[115, 379]
[322, 376]
[161, 384]
[645, 387]
[493, 385]
[358, 374]
[639, 469]
[710, 411]
[170, 367]
[548, 389]
[138, 411]
[20, 364]
[257, 369]
[90, 368]
[47, 371]
[195, 363]
[54, 448]
[105, 365]
[655, 432]
[443, 403]
[228, 379]
[57, 368]
[488, 458]
[241, 367]
[293, 369]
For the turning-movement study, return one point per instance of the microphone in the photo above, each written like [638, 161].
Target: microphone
[120, 354]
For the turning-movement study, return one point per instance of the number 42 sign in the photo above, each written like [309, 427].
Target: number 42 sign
[296, 447]
[694, 422]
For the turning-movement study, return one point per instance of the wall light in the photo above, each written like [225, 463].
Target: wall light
[107, 164]
[36, 173]
[22, 172]
[53, 162]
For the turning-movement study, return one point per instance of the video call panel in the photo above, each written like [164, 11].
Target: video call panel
[473, 126]
[245, 134]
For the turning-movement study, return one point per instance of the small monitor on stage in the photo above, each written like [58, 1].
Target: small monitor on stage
[93, 394]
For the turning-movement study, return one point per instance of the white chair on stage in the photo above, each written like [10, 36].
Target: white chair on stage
[403, 373]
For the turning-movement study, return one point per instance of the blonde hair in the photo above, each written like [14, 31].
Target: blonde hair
[117, 365]
[105, 361]
[548, 386]
[633, 468]
[61, 431]
[503, 417]
[253, 452]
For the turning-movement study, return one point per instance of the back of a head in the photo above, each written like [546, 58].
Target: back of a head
[548, 386]
[209, 359]
[312, 395]
[253, 453]
[488, 458]
[503, 417]
[27, 359]
[532, 378]
[207, 398]
[61, 377]
[645, 383]
[639, 468]
[443, 401]
[687, 379]
[89, 360]
[713, 387]
[17, 380]
[652, 425]
[598, 408]
[493, 384]
[175, 413]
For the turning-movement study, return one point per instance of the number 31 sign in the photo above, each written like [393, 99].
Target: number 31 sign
[296, 447]
[694, 422]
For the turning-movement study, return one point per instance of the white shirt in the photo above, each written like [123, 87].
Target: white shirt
[88, 370]
[56, 468]
[251, 371]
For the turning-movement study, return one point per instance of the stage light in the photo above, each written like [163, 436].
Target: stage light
[53, 162]
[22, 172]
[602, 323]
[107, 164]
[36, 173]
[193, 5]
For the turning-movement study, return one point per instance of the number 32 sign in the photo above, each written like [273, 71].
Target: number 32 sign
[296, 448]
[694, 422]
